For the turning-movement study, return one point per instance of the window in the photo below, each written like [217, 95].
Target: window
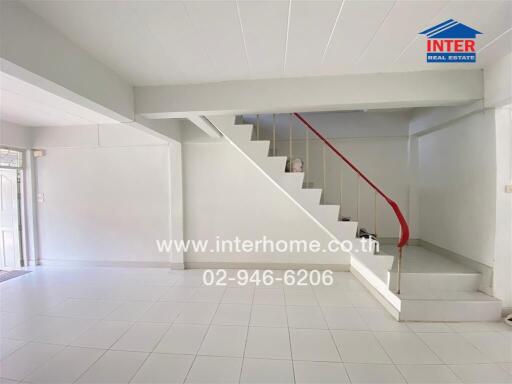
[11, 158]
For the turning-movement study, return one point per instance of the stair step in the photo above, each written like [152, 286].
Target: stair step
[447, 296]
[331, 212]
[310, 196]
[435, 281]
[244, 131]
[347, 229]
[275, 166]
[292, 181]
[256, 150]
[379, 265]
[449, 306]
[235, 132]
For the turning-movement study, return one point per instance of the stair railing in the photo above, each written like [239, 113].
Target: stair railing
[404, 228]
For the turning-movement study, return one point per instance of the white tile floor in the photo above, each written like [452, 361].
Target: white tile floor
[113, 325]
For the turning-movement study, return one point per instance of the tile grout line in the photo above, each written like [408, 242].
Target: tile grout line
[134, 322]
[64, 346]
[389, 356]
[106, 350]
[154, 347]
[247, 334]
[204, 336]
[491, 361]
[289, 334]
[332, 337]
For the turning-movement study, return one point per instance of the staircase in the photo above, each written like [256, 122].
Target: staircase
[406, 290]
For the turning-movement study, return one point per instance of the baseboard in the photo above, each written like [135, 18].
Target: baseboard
[192, 265]
[275, 266]
[394, 241]
[178, 266]
[376, 294]
[485, 270]
[120, 264]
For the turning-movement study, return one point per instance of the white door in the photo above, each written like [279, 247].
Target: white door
[9, 220]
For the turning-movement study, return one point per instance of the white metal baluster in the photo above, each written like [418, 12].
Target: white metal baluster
[375, 213]
[307, 157]
[324, 175]
[258, 126]
[274, 134]
[399, 269]
[291, 126]
[358, 196]
[341, 188]
[399, 264]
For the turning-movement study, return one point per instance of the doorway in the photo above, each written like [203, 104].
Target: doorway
[11, 252]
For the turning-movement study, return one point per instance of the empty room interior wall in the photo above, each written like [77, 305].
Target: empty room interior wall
[456, 186]
[503, 239]
[102, 195]
[498, 95]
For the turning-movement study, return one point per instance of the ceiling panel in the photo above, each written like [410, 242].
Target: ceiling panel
[168, 23]
[265, 25]
[218, 24]
[111, 32]
[414, 54]
[179, 42]
[404, 21]
[357, 25]
[498, 20]
[310, 27]
[496, 50]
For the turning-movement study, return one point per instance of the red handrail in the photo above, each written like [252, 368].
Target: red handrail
[404, 233]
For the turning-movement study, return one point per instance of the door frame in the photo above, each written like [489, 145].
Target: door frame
[20, 194]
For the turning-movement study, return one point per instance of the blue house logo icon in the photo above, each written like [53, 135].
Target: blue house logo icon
[451, 42]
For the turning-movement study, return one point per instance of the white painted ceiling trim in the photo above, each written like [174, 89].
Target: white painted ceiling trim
[25, 104]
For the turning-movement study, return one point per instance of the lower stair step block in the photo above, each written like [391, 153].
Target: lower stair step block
[450, 310]
[435, 282]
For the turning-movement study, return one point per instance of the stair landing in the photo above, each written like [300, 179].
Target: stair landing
[433, 287]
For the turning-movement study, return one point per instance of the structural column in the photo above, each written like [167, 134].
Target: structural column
[176, 203]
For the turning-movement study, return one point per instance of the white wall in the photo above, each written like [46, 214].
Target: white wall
[101, 203]
[498, 82]
[503, 237]
[14, 135]
[456, 186]
[498, 94]
[226, 196]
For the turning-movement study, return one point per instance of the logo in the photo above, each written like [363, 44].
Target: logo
[451, 42]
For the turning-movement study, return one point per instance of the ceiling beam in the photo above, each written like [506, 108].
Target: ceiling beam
[205, 126]
[362, 91]
[168, 130]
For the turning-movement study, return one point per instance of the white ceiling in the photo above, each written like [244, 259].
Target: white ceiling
[27, 105]
[178, 42]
